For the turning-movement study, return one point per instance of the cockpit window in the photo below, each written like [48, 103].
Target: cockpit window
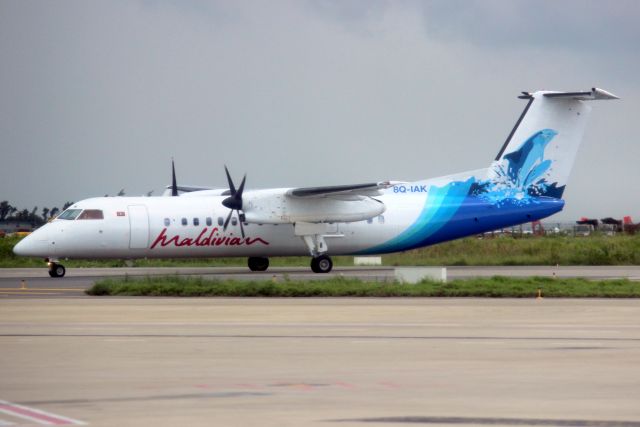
[91, 214]
[70, 214]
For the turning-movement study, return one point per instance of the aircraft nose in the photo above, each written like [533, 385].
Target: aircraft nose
[24, 247]
[35, 244]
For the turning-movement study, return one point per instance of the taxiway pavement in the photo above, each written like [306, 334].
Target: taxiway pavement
[320, 362]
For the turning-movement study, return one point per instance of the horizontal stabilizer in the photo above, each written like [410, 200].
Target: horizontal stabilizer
[592, 95]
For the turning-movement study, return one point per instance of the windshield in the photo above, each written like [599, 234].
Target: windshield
[70, 214]
[91, 214]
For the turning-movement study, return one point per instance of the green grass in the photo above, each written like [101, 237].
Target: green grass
[550, 250]
[494, 287]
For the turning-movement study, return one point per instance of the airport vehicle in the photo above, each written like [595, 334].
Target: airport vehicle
[583, 230]
[524, 183]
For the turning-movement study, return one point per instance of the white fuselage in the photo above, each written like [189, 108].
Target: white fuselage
[174, 227]
[192, 226]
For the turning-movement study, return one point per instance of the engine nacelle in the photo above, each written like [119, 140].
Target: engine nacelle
[275, 207]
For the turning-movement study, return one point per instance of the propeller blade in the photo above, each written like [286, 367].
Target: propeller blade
[231, 186]
[226, 222]
[241, 227]
[241, 188]
[234, 201]
[174, 184]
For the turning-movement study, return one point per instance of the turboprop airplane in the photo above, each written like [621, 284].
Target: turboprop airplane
[524, 183]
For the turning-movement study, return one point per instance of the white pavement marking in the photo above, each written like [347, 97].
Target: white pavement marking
[37, 415]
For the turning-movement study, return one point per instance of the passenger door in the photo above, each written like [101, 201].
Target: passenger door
[138, 227]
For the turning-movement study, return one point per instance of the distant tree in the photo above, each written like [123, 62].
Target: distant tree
[66, 205]
[12, 212]
[33, 216]
[23, 215]
[5, 209]
[45, 214]
[121, 193]
[53, 212]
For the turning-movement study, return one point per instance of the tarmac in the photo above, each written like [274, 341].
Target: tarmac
[322, 362]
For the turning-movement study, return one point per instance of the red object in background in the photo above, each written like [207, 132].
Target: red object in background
[627, 220]
[537, 228]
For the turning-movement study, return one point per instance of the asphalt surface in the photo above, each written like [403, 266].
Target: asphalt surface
[35, 282]
[319, 362]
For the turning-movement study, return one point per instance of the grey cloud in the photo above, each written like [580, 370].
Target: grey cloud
[571, 24]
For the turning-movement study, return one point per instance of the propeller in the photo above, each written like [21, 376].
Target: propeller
[174, 185]
[234, 201]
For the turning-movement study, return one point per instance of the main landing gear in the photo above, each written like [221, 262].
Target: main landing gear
[56, 270]
[321, 264]
[313, 235]
[258, 263]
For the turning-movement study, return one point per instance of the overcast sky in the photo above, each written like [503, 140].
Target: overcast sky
[98, 96]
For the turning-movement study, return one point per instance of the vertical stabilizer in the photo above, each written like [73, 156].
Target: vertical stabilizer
[539, 152]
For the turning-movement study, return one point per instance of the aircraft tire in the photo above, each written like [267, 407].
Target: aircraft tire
[57, 270]
[321, 264]
[258, 263]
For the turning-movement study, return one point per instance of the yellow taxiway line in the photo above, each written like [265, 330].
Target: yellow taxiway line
[36, 290]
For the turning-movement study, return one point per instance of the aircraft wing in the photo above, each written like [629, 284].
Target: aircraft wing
[368, 189]
[188, 188]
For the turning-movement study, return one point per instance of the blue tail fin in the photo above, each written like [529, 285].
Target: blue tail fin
[537, 157]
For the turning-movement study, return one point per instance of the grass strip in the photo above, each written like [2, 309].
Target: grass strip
[493, 287]
[597, 249]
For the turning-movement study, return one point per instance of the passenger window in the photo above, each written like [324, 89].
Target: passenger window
[184, 221]
[91, 214]
[220, 220]
[234, 221]
[196, 221]
[380, 219]
[167, 222]
[209, 222]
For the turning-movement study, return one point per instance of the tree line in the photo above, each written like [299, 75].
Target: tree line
[33, 216]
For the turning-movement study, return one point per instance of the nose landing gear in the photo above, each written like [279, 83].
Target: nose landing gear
[56, 270]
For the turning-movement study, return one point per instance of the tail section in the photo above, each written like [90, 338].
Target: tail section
[537, 157]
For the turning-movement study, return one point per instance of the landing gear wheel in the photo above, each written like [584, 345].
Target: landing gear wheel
[258, 263]
[56, 270]
[321, 264]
